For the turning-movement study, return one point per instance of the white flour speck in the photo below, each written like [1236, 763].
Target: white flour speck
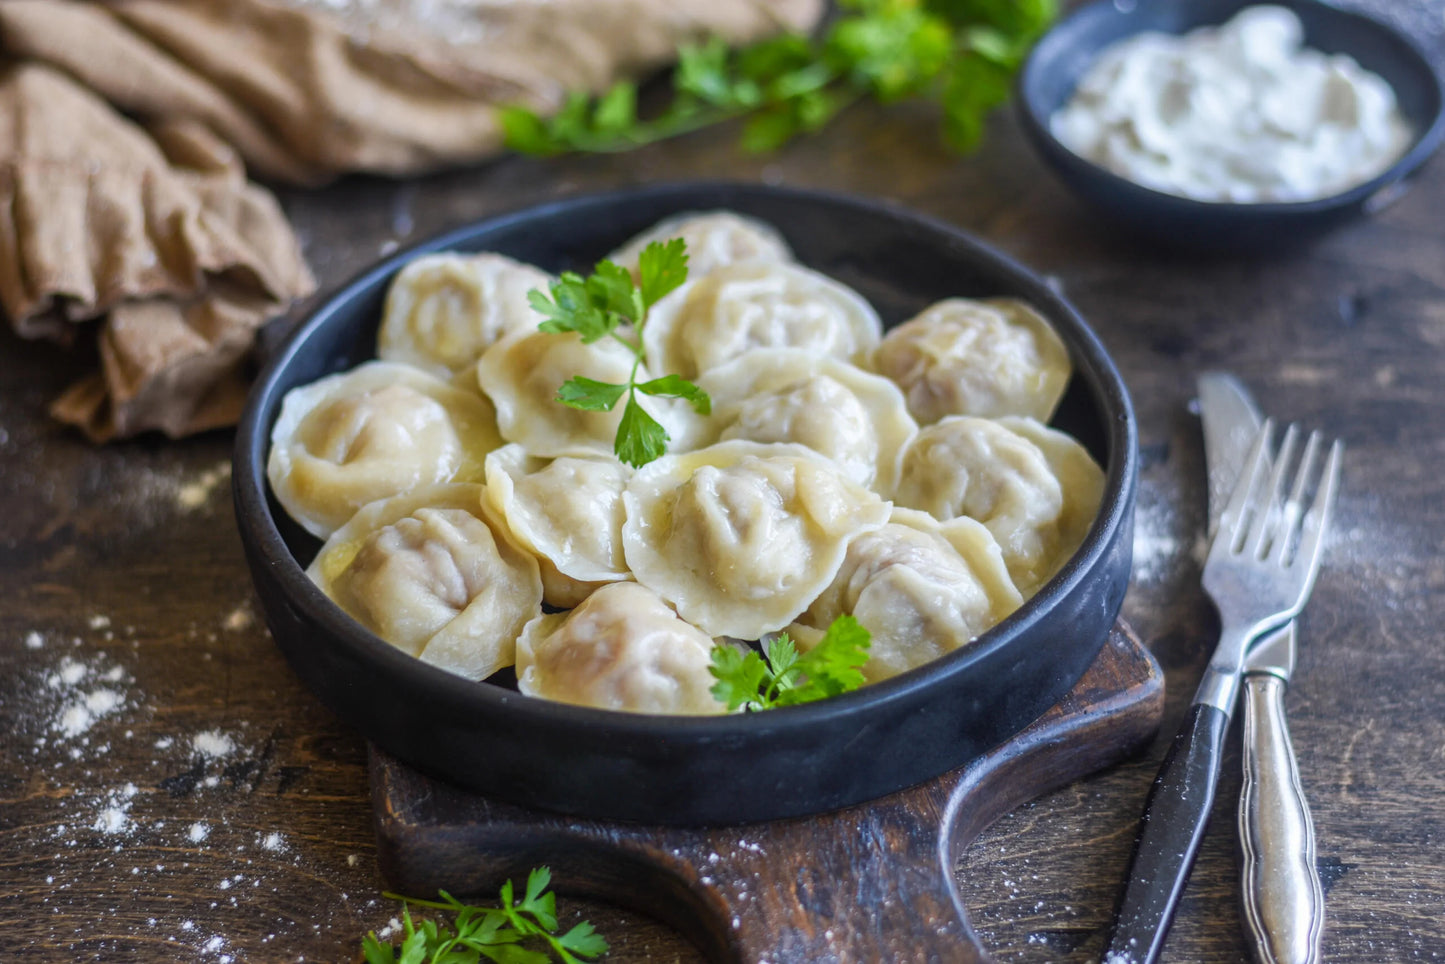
[213, 744]
[99, 621]
[274, 841]
[198, 831]
[114, 818]
[34, 640]
[164, 743]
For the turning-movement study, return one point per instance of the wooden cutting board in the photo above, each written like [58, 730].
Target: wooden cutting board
[867, 884]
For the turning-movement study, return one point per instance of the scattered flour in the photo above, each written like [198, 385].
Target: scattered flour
[114, 817]
[198, 832]
[99, 621]
[34, 640]
[239, 619]
[213, 744]
[1156, 543]
[196, 493]
[80, 707]
[274, 841]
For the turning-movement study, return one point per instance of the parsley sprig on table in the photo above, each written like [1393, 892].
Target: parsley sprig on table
[489, 933]
[788, 677]
[609, 304]
[960, 53]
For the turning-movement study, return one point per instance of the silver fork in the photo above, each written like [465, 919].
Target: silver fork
[1261, 568]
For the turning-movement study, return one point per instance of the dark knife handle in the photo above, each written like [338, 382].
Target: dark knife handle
[1173, 824]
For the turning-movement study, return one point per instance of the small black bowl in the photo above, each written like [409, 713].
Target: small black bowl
[678, 770]
[1058, 61]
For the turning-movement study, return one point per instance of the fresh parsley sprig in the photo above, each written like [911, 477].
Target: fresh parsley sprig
[491, 933]
[960, 53]
[610, 304]
[789, 677]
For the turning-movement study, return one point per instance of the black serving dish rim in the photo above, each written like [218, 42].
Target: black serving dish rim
[260, 532]
[1426, 142]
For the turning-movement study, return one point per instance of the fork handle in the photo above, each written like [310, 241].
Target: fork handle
[1284, 906]
[1169, 834]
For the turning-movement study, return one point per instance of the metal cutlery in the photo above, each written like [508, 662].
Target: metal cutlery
[1283, 902]
[1261, 567]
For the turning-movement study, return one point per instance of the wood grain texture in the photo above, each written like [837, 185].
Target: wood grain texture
[1347, 334]
[867, 883]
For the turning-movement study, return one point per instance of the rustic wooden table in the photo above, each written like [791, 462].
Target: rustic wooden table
[169, 791]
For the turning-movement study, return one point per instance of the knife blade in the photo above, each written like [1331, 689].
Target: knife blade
[1280, 886]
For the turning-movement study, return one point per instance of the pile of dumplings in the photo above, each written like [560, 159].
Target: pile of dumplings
[474, 522]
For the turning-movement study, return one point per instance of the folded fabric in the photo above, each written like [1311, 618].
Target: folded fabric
[308, 89]
[99, 218]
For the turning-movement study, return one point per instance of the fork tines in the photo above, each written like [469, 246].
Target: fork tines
[1263, 522]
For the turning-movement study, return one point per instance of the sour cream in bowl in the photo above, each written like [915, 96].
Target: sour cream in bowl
[1219, 124]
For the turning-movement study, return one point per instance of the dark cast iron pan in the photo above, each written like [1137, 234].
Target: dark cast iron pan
[704, 771]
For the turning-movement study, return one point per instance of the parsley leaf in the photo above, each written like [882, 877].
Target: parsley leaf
[640, 438]
[661, 269]
[788, 678]
[494, 933]
[792, 83]
[610, 304]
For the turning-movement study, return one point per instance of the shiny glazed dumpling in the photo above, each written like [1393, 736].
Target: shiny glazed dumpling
[922, 588]
[986, 358]
[568, 512]
[1036, 489]
[379, 430]
[522, 372]
[443, 310]
[709, 322]
[740, 536]
[714, 239]
[855, 418]
[428, 574]
[622, 649]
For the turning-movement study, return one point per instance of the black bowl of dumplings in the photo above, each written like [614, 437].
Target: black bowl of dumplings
[439, 690]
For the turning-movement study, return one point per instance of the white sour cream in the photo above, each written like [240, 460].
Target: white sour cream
[1239, 113]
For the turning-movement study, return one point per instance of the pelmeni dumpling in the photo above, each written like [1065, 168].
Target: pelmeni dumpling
[568, 512]
[1037, 499]
[986, 358]
[856, 418]
[379, 430]
[753, 304]
[522, 372]
[428, 574]
[922, 588]
[444, 309]
[622, 649]
[741, 536]
[714, 239]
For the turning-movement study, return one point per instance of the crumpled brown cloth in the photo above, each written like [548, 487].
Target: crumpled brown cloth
[151, 224]
[163, 234]
[308, 89]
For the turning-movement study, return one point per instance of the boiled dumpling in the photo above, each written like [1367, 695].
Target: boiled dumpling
[709, 322]
[1037, 500]
[622, 649]
[714, 239]
[922, 588]
[379, 430]
[428, 574]
[444, 309]
[855, 418]
[522, 372]
[740, 537]
[568, 512]
[985, 358]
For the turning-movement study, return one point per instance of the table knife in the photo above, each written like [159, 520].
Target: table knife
[1180, 800]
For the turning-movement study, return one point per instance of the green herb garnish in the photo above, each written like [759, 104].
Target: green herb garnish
[490, 933]
[789, 677]
[960, 53]
[609, 304]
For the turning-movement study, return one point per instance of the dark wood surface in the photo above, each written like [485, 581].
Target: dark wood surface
[867, 883]
[1347, 334]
